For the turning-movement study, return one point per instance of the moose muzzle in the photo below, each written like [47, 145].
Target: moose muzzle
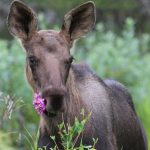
[54, 99]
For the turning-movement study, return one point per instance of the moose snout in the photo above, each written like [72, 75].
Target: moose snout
[54, 99]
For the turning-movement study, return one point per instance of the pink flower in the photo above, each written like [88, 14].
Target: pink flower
[39, 103]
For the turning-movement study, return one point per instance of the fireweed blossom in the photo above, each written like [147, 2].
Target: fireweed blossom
[39, 103]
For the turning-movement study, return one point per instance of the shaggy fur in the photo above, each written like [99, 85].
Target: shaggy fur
[69, 87]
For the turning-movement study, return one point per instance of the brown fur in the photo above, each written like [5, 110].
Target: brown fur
[69, 87]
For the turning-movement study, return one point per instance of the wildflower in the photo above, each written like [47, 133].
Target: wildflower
[39, 103]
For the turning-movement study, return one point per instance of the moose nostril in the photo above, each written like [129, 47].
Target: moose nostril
[54, 98]
[57, 97]
[45, 102]
[57, 101]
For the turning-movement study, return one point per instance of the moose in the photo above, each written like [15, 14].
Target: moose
[68, 87]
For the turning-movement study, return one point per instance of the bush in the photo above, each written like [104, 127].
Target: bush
[71, 134]
[13, 83]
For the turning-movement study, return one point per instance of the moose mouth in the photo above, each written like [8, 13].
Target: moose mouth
[55, 106]
[50, 114]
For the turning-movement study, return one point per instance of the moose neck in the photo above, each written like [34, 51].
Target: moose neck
[75, 102]
[73, 107]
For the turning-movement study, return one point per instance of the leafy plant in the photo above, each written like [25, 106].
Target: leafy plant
[70, 134]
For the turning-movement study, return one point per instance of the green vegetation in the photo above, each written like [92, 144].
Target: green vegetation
[124, 57]
[70, 134]
[125, 5]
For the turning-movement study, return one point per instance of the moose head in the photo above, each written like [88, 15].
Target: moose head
[48, 58]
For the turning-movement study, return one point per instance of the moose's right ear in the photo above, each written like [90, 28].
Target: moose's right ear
[22, 21]
[79, 21]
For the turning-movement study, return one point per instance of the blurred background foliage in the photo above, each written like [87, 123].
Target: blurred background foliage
[118, 48]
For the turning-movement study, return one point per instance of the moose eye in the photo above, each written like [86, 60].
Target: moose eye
[32, 61]
[70, 60]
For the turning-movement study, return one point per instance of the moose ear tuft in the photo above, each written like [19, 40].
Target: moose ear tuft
[79, 21]
[22, 21]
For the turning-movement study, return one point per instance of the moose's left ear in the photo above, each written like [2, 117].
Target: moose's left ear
[79, 21]
[22, 21]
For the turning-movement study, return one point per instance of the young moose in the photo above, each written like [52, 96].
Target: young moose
[69, 87]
